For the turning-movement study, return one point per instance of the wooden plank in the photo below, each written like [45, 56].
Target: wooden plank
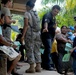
[17, 11]
[19, 6]
[20, 1]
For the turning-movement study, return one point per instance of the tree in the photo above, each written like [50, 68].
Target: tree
[67, 13]
[19, 22]
[52, 1]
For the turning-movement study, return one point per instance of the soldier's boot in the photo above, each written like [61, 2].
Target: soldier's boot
[31, 69]
[38, 67]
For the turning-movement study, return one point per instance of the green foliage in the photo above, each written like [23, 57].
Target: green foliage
[66, 15]
[44, 2]
[18, 19]
[65, 20]
[19, 23]
[43, 11]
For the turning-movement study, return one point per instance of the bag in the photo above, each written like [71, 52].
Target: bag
[54, 47]
[68, 47]
[13, 27]
[35, 20]
[5, 26]
[17, 43]
[9, 51]
[66, 57]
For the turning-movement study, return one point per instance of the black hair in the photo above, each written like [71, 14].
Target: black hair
[21, 30]
[2, 15]
[56, 7]
[30, 4]
[63, 27]
[4, 1]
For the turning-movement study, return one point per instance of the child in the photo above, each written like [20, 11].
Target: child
[70, 35]
[22, 47]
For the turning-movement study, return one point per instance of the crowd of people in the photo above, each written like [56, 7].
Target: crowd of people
[32, 37]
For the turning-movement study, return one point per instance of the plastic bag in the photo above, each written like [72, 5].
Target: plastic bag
[66, 57]
[68, 47]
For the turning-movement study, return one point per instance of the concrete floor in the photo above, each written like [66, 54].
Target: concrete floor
[44, 72]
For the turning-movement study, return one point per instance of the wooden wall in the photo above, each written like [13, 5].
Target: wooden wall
[19, 6]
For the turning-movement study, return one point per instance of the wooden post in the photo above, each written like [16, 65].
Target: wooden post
[3, 64]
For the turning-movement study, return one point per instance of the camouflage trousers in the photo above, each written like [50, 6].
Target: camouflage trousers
[32, 46]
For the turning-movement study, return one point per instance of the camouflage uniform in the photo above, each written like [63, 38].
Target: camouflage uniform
[32, 42]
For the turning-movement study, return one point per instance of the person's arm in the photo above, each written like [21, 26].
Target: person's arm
[24, 29]
[4, 42]
[8, 20]
[61, 38]
[72, 49]
[45, 27]
[7, 17]
[9, 40]
[46, 20]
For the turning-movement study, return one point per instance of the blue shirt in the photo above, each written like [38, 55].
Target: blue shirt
[0, 30]
[71, 36]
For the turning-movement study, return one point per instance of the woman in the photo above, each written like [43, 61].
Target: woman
[61, 41]
[6, 4]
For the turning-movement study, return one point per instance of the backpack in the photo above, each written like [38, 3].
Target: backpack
[35, 20]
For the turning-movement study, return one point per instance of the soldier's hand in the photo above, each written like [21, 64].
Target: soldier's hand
[22, 40]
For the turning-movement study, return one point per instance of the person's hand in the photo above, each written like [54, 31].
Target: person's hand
[14, 46]
[71, 51]
[55, 26]
[74, 34]
[45, 30]
[22, 40]
[70, 41]
[14, 21]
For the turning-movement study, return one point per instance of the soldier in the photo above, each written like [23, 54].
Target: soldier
[31, 36]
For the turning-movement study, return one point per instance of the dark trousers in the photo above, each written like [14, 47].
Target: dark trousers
[21, 49]
[46, 60]
[54, 57]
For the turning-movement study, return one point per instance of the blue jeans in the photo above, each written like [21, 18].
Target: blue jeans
[46, 59]
[74, 66]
